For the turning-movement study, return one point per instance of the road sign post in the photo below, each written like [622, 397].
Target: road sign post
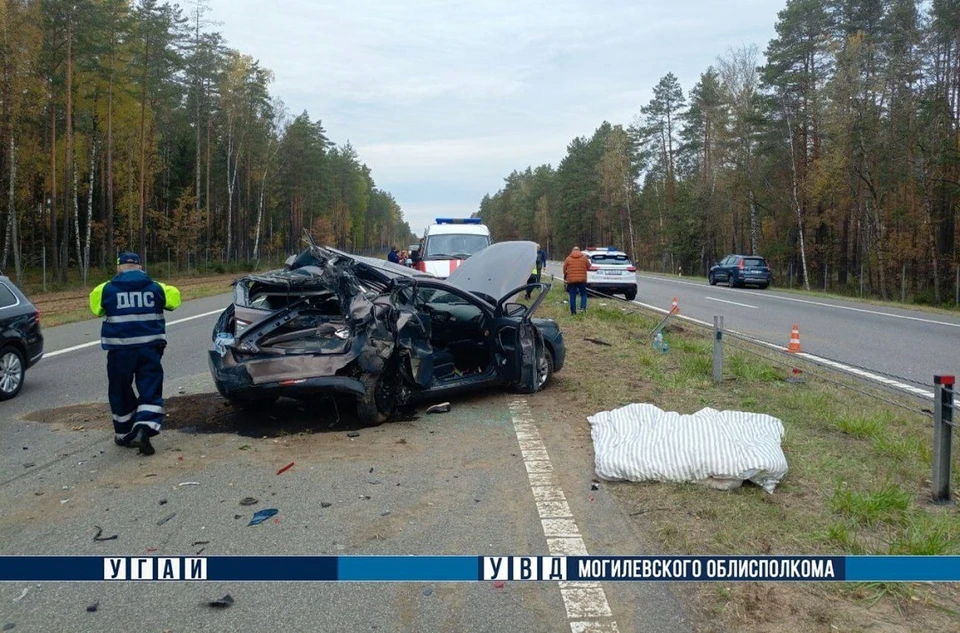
[942, 437]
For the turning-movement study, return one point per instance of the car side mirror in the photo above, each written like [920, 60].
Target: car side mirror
[514, 309]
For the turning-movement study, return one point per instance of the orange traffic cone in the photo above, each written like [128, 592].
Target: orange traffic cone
[794, 339]
[673, 306]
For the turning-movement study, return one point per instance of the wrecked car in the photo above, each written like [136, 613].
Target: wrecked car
[331, 323]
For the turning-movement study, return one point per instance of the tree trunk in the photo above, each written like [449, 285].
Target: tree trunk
[796, 205]
[754, 224]
[14, 222]
[86, 241]
[76, 219]
[11, 210]
[207, 198]
[143, 147]
[68, 156]
[108, 219]
[55, 263]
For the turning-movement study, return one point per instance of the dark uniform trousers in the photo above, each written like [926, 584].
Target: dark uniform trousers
[140, 365]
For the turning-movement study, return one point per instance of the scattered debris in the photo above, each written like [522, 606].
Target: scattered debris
[76, 428]
[181, 390]
[237, 516]
[63, 501]
[150, 475]
[374, 482]
[594, 487]
[29, 465]
[371, 469]
[249, 501]
[590, 498]
[443, 407]
[166, 518]
[476, 501]
[222, 603]
[428, 591]
[151, 549]
[365, 496]
[245, 447]
[285, 468]
[325, 504]
[353, 434]
[262, 515]
[97, 537]
[190, 483]
[163, 502]
[598, 342]
[201, 551]
[39, 493]
[402, 440]
[22, 594]
[195, 543]
[9, 626]
[386, 513]
[498, 584]
[93, 607]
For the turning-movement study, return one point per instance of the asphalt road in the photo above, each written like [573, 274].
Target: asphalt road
[892, 342]
[438, 484]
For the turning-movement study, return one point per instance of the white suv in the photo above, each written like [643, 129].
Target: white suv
[611, 272]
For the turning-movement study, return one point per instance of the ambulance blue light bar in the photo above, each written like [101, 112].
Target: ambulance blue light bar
[459, 221]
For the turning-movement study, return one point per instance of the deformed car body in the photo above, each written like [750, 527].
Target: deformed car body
[335, 323]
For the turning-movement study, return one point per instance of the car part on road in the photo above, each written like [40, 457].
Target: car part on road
[598, 342]
[353, 434]
[93, 607]
[249, 501]
[222, 603]
[443, 407]
[285, 468]
[97, 537]
[262, 515]
[166, 518]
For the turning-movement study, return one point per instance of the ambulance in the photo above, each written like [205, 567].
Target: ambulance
[449, 242]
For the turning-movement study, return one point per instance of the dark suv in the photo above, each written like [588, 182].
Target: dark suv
[21, 342]
[741, 270]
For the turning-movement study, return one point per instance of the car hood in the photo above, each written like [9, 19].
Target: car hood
[497, 269]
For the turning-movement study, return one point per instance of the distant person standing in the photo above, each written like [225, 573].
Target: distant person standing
[538, 269]
[575, 268]
[393, 255]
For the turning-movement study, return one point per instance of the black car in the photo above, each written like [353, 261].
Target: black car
[21, 341]
[741, 270]
[335, 323]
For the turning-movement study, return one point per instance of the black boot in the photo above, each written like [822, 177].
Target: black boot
[141, 441]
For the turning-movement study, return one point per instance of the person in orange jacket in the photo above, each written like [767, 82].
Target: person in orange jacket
[575, 268]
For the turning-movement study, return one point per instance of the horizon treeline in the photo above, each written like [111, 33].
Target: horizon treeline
[835, 155]
[133, 125]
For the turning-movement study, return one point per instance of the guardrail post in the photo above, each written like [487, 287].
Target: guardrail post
[942, 436]
[717, 348]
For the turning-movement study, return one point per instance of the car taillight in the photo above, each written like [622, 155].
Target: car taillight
[740, 265]
[632, 269]
[36, 317]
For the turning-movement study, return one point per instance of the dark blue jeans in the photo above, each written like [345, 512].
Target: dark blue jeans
[140, 365]
[574, 290]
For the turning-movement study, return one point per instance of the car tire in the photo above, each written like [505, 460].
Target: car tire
[630, 296]
[712, 279]
[731, 280]
[12, 372]
[546, 366]
[379, 401]
[764, 286]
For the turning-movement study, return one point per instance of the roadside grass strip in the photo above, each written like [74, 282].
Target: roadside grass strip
[860, 463]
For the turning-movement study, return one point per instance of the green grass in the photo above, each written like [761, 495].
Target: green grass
[888, 504]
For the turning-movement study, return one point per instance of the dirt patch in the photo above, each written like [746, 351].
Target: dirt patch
[209, 413]
[847, 454]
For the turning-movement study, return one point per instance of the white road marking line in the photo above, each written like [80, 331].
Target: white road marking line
[733, 303]
[819, 303]
[97, 342]
[585, 602]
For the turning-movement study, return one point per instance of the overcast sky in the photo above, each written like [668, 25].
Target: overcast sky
[443, 99]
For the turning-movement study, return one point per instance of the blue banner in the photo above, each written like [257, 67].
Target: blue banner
[479, 568]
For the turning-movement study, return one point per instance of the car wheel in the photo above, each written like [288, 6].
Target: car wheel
[712, 279]
[630, 296]
[12, 371]
[379, 401]
[731, 281]
[546, 368]
[764, 286]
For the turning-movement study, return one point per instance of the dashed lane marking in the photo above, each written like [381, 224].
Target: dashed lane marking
[585, 602]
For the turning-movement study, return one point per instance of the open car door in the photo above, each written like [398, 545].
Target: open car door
[518, 344]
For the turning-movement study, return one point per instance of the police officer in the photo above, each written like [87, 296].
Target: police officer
[134, 336]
